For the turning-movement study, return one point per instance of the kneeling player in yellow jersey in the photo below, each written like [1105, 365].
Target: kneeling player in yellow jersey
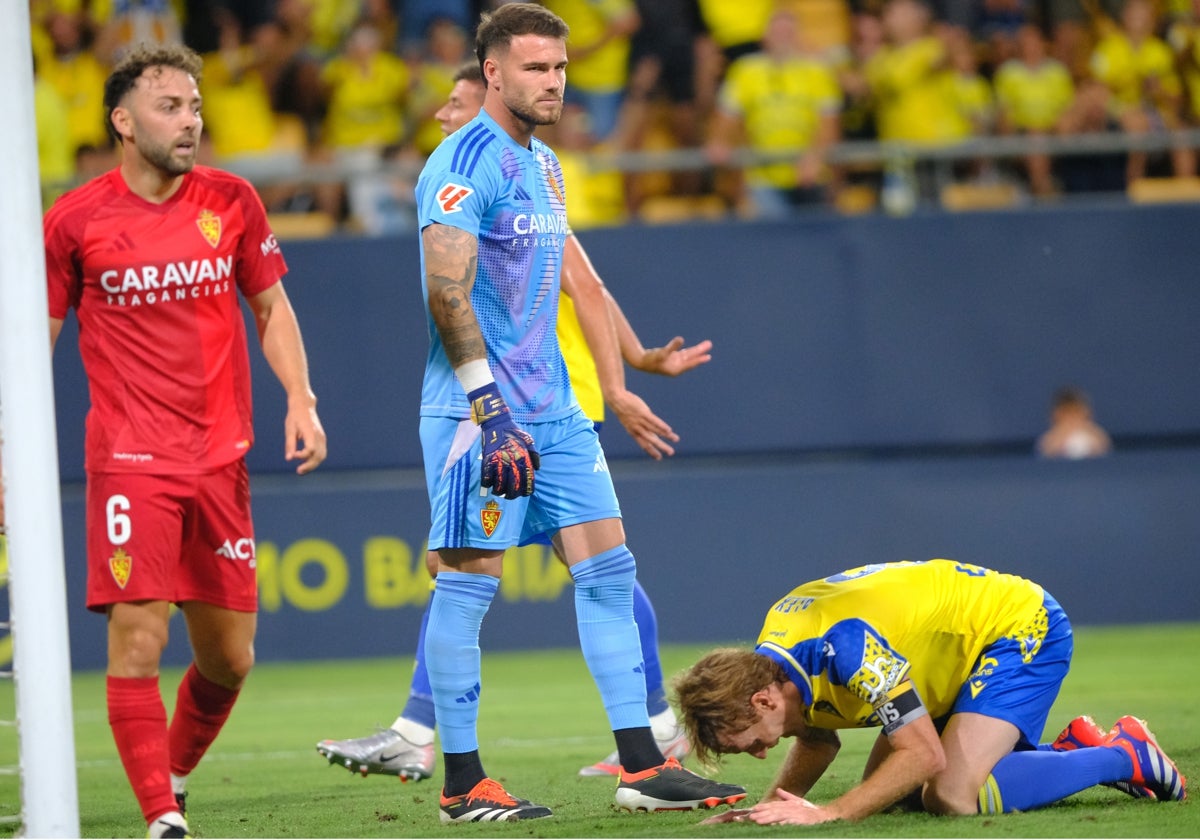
[595, 336]
[958, 664]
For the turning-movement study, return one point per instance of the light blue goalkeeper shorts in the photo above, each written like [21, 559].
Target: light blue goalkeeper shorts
[572, 485]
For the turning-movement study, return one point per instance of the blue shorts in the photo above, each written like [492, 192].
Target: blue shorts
[1013, 685]
[572, 486]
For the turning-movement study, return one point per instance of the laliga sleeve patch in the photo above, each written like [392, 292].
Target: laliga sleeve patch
[901, 706]
[451, 196]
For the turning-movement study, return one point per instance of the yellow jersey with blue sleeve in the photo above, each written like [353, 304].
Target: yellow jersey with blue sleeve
[882, 644]
[79, 79]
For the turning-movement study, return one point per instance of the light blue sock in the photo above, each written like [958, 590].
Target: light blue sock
[1022, 781]
[608, 634]
[452, 654]
[647, 622]
[419, 708]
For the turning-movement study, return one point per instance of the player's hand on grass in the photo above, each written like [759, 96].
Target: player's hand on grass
[653, 434]
[732, 815]
[305, 437]
[788, 809]
[509, 459]
[674, 359]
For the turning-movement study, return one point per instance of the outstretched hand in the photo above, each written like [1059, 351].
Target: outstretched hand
[653, 434]
[674, 359]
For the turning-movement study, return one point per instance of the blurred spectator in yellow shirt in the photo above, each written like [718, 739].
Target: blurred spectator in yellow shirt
[910, 79]
[971, 92]
[779, 100]
[56, 155]
[445, 48]
[1145, 92]
[237, 105]
[1033, 93]
[595, 197]
[598, 47]
[78, 77]
[366, 88]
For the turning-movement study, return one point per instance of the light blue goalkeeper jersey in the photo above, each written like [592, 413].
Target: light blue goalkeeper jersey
[511, 198]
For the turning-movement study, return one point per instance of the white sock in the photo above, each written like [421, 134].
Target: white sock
[171, 819]
[664, 725]
[178, 784]
[414, 733]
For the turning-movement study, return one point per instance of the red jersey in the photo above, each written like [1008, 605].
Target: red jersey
[155, 289]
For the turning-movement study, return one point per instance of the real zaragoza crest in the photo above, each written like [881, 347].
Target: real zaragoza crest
[562, 199]
[210, 227]
[120, 564]
[489, 517]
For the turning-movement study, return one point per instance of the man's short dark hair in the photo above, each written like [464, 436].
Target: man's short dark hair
[125, 75]
[469, 71]
[497, 29]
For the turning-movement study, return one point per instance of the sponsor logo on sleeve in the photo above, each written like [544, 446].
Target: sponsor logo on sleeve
[451, 196]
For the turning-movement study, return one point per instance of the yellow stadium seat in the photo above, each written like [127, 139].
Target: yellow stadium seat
[963, 197]
[1164, 190]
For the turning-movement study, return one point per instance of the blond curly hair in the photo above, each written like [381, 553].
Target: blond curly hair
[713, 697]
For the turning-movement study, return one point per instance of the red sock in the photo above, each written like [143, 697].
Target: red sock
[201, 709]
[139, 725]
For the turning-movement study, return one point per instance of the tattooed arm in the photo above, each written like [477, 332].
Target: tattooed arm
[450, 257]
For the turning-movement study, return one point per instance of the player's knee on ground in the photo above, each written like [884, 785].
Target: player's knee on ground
[949, 797]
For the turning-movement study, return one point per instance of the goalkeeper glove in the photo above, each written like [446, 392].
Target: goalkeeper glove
[509, 458]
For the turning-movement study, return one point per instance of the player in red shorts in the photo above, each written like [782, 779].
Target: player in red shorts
[152, 256]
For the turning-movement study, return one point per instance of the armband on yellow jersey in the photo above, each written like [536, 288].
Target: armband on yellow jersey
[901, 706]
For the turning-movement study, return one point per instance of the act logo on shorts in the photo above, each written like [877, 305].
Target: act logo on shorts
[452, 195]
[121, 565]
[210, 227]
[489, 517]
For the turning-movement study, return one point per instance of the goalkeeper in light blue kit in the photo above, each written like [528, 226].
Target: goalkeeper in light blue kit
[498, 415]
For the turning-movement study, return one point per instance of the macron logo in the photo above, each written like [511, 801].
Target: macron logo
[451, 195]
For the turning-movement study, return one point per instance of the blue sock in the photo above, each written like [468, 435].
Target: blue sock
[643, 614]
[1022, 781]
[608, 634]
[419, 708]
[452, 654]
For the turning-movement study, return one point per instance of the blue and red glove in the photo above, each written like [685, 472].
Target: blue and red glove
[509, 458]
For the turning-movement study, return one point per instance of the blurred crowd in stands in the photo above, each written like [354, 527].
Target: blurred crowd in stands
[351, 87]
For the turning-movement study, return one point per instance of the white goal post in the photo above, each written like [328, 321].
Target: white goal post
[37, 583]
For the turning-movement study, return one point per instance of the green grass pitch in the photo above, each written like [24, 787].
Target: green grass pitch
[542, 720]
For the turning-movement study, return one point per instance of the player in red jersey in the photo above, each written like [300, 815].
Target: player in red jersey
[152, 256]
